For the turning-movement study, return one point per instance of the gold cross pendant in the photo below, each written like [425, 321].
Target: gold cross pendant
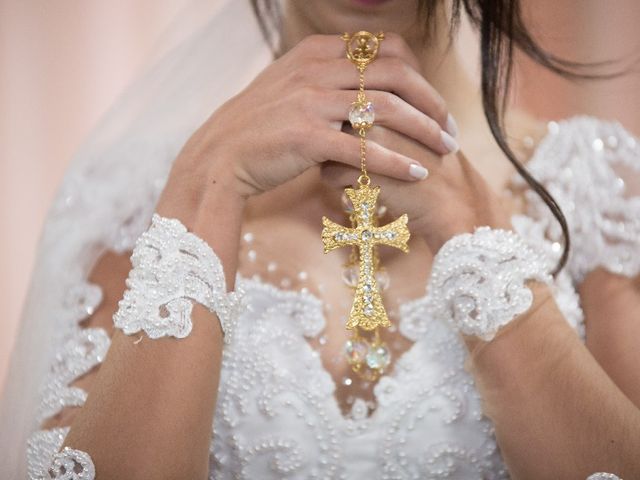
[367, 311]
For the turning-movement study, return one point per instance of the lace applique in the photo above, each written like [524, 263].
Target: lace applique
[129, 230]
[261, 387]
[80, 351]
[83, 350]
[304, 308]
[171, 269]
[41, 447]
[70, 464]
[478, 280]
[591, 168]
[81, 301]
[603, 476]
[564, 293]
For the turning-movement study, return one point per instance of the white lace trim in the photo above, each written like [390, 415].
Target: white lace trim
[84, 349]
[70, 464]
[41, 447]
[603, 476]
[478, 280]
[172, 268]
[564, 293]
[591, 168]
[80, 351]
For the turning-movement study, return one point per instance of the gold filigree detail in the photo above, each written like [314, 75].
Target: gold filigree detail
[367, 311]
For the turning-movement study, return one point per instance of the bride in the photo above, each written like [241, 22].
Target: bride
[511, 350]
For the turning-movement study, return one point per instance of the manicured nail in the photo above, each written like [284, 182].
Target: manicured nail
[449, 142]
[452, 126]
[418, 171]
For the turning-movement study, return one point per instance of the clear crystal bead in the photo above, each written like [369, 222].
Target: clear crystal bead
[356, 351]
[361, 114]
[378, 357]
[350, 276]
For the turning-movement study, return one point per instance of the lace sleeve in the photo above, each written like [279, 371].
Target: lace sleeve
[81, 350]
[172, 269]
[592, 169]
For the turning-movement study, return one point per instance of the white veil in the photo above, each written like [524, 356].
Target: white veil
[110, 188]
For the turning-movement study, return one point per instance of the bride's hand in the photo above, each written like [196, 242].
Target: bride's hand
[289, 118]
[453, 199]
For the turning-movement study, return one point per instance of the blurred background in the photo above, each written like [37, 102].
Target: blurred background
[63, 63]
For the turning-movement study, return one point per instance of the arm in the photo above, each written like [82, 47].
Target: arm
[137, 421]
[587, 381]
[612, 310]
[557, 413]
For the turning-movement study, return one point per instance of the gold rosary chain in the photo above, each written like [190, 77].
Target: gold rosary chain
[363, 179]
[363, 165]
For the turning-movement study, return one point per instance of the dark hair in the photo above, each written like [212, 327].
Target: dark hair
[501, 27]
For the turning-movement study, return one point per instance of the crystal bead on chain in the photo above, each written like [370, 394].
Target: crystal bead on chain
[361, 114]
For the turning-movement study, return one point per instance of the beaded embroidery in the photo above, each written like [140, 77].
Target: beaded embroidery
[83, 350]
[70, 464]
[591, 168]
[478, 280]
[171, 269]
[41, 447]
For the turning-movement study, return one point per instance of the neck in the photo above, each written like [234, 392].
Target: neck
[447, 64]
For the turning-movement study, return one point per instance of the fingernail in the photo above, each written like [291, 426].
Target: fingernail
[449, 142]
[452, 126]
[418, 171]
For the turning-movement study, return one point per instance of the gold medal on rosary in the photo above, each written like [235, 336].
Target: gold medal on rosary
[365, 350]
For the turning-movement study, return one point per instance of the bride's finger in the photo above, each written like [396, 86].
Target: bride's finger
[396, 69]
[394, 113]
[340, 146]
[390, 74]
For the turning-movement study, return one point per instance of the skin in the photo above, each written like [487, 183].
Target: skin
[573, 409]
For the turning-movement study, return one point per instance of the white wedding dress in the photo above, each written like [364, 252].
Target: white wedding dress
[277, 415]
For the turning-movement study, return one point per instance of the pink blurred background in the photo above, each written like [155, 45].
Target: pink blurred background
[63, 63]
